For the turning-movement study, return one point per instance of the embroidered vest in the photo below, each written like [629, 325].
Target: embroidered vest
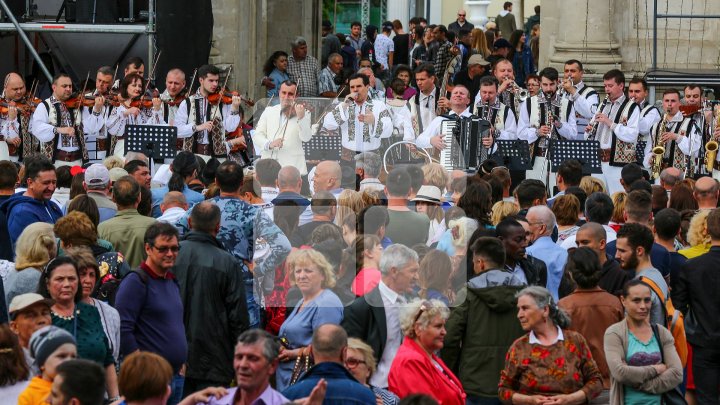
[216, 138]
[537, 113]
[49, 149]
[622, 153]
[582, 121]
[673, 155]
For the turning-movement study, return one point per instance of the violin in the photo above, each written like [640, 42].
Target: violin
[689, 110]
[76, 101]
[226, 98]
[23, 106]
[177, 100]
[145, 101]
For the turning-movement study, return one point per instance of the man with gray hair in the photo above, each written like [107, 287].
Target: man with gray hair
[303, 69]
[542, 222]
[669, 177]
[374, 317]
[367, 166]
[327, 85]
[329, 350]
[376, 89]
[97, 185]
[255, 361]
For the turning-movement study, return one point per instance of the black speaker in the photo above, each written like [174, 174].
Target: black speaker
[17, 8]
[105, 11]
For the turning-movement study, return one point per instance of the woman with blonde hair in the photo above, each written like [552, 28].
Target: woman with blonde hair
[502, 210]
[697, 236]
[619, 198]
[349, 201]
[479, 42]
[360, 362]
[434, 174]
[35, 247]
[313, 275]
[591, 185]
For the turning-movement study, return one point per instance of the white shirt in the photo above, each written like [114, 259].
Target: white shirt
[689, 144]
[345, 117]
[533, 340]
[584, 106]
[383, 46]
[43, 131]
[427, 108]
[230, 120]
[569, 243]
[172, 215]
[423, 141]
[646, 122]
[527, 131]
[626, 132]
[269, 193]
[391, 302]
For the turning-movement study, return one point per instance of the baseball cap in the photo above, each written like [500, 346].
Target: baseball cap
[502, 43]
[477, 59]
[97, 175]
[116, 173]
[23, 301]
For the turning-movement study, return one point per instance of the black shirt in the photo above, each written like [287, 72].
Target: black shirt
[402, 49]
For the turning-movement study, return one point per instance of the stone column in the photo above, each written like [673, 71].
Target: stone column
[584, 32]
[400, 10]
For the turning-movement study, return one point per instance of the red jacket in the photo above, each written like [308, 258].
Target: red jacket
[412, 372]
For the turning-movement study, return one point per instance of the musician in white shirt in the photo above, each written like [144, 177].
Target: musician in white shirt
[362, 121]
[458, 104]
[585, 99]
[533, 125]
[617, 130]
[502, 117]
[649, 114]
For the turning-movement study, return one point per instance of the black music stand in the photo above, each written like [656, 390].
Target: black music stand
[321, 148]
[586, 152]
[153, 140]
[640, 153]
[513, 154]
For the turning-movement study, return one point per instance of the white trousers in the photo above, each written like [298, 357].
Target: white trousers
[611, 177]
[540, 172]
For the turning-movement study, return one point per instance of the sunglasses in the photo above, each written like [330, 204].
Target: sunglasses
[164, 249]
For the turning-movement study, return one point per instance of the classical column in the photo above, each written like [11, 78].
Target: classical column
[585, 32]
[399, 10]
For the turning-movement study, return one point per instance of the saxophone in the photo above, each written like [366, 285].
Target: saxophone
[711, 147]
[658, 151]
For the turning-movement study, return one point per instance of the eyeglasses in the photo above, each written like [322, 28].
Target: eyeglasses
[352, 363]
[164, 249]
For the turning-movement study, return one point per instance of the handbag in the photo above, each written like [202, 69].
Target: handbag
[674, 396]
[302, 364]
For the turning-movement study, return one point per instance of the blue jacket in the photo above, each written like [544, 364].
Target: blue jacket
[342, 387]
[191, 196]
[22, 211]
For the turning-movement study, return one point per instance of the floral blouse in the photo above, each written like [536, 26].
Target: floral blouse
[561, 368]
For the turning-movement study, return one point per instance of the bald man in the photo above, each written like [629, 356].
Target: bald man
[328, 176]
[289, 184]
[15, 122]
[173, 207]
[706, 193]
[174, 85]
[593, 235]
[542, 222]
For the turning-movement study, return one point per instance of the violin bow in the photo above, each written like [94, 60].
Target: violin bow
[151, 77]
[192, 81]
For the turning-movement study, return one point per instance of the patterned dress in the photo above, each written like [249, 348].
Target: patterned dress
[561, 368]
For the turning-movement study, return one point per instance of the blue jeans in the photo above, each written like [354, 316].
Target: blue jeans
[176, 387]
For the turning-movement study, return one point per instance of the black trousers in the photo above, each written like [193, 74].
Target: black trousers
[706, 370]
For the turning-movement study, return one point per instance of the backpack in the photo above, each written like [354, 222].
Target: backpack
[674, 321]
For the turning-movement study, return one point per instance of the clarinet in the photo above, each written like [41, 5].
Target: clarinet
[594, 122]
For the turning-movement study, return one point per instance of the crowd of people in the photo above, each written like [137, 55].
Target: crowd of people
[226, 279]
